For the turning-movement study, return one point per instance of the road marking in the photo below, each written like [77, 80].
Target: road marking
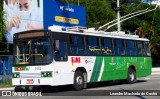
[155, 76]
[147, 78]
[104, 88]
[23, 98]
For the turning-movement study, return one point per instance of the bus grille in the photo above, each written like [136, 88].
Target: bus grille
[30, 75]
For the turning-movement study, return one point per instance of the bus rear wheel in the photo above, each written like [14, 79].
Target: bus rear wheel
[78, 80]
[131, 76]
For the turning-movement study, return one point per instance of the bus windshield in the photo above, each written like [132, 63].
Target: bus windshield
[32, 52]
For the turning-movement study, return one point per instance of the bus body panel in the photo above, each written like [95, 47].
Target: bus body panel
[59, 76]
[98, 69]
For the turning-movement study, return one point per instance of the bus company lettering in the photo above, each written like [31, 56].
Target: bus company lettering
[112, 61]
[66, 8]
[75, 60]
[88, 61]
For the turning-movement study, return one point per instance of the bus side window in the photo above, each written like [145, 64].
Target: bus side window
[119, 47]
[77, 45]
[147, 50]
[60, 50]
[140, 48]
[107, 46]
[131, 48]
[93, 47]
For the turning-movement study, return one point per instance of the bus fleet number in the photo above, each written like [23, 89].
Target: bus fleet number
[37, 68]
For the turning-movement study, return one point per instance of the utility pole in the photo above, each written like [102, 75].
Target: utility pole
[118, 17]
[78, 2]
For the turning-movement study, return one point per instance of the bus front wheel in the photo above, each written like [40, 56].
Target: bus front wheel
[131, 76]
[78, 80]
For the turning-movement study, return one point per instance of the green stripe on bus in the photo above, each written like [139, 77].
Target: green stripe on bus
[20, 68]
[96, 69]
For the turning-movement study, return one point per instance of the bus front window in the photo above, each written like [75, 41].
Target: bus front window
[32, 52]
[22, 53]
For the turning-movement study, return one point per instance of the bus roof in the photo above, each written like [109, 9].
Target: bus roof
[84, 31]
[93, 32]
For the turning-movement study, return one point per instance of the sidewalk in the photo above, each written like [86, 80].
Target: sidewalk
[156, 70]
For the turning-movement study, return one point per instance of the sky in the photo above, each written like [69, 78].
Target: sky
[146, 0]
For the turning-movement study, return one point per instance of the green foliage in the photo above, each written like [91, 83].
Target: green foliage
[147, 25]
[8, 83]
[2, 26]
[70, 1]
[100, 13]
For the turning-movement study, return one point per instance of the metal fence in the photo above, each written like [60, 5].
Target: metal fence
[6, 62]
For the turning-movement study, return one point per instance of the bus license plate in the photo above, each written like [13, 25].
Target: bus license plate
[30, 81]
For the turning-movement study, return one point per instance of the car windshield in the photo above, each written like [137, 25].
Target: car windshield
[36, 51]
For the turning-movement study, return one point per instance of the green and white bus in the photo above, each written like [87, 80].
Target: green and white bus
[78, 56]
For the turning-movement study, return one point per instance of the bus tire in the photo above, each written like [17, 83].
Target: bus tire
[131, 76]
[78, 80]
[18, 89]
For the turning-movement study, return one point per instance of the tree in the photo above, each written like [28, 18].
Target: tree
[146, 25]
[69, 1]
[2, 25]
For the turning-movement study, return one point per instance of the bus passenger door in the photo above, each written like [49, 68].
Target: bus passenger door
[60, 50]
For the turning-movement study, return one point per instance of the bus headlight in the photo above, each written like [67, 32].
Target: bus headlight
[16, 75]
[46, 74]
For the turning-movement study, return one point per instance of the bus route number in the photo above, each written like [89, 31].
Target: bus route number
[37, 68]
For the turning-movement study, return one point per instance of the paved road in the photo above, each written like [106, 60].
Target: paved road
[98, 91]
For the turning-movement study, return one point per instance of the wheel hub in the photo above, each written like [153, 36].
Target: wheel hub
[131, 76]
[79, 80]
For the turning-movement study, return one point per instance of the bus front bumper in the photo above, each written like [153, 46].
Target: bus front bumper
[32, 81]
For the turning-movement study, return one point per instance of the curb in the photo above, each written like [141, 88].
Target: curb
[155, 72]
[155, 69]
[7, 88]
